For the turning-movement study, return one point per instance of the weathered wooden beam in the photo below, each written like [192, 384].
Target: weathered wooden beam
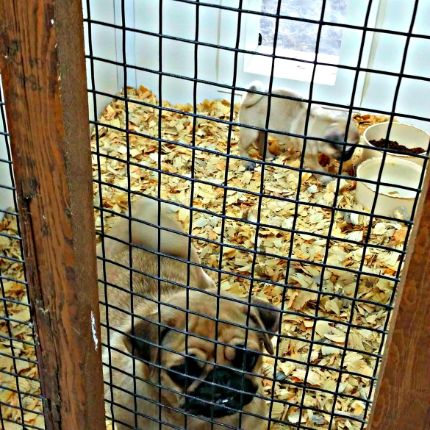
[43, 70]
[402, 400]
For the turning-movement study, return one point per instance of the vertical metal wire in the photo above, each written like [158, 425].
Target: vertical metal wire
[296, 209]
[129, 202]
[225, 183]
[192, 176]
[100, 208]
[332, 220]
[261, 185]
[160, 111]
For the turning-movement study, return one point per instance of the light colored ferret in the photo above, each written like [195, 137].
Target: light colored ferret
[289, 116]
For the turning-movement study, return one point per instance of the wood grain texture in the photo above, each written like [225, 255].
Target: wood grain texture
[402, 400]
[43, 70]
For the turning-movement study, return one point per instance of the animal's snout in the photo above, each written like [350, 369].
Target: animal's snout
[223, 392]
[343, 146]
[345, 152]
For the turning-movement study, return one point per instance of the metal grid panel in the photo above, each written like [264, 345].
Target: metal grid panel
[302, 411]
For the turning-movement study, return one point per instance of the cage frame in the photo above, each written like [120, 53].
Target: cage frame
[43, 65]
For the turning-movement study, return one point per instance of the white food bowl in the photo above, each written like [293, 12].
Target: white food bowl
[404, 134]
[391, 200]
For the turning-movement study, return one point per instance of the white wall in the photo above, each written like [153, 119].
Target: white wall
[387, 53]
[142, 50]
[104, 44]
[178, 58]
[6, 196]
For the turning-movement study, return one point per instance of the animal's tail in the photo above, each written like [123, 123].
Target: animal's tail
[252, 98]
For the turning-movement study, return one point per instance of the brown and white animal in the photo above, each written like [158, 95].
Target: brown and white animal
[183, 366]
[289, 116]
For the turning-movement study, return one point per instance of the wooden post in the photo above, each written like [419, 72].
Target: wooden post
[43, 70]
[402, 400]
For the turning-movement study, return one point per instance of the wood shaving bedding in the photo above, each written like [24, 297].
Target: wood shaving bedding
[274, 239]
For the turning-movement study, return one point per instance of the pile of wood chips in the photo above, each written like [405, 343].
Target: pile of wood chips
[211, 171]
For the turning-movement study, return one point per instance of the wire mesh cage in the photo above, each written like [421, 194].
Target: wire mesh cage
[280, 232]
[257, 167]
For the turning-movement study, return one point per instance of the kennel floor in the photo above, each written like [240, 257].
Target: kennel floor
[333, 325]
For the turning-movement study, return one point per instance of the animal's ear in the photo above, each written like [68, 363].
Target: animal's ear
[144, 338]
[267, 317]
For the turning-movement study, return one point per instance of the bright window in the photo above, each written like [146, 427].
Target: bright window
[297, 39]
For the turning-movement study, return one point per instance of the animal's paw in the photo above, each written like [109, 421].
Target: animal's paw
[250, 165]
